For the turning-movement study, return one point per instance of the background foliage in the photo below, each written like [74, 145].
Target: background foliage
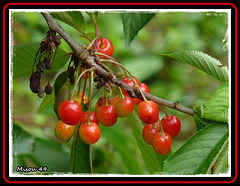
[117, 150]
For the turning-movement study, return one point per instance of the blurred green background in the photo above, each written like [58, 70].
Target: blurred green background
[166, 78]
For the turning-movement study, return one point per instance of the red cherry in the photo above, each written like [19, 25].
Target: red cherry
[92, 117]
[144, 88]
[124, 106]
[107, 115]
[171, 124]
[115, 100]
[70, 112]
[129, 82]
[90, 134]
[149, 130]
[105, 46]
[162, 144]
[64, 132]
[148, 112]
[101, 101]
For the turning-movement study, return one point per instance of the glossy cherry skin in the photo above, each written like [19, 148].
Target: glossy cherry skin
[149, 130]
[90, 134]
[107, 115]
[171, 124]
[101, 101]
[70, 112]
[64, 132]
[162, 144]
[124, 106]
[148, 112]
[105, 46]
[144, 88]
[78, 97]
[115, 100]
[129, 82]
[92, 117]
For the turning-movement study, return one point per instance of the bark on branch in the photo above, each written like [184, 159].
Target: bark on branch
[89, 61]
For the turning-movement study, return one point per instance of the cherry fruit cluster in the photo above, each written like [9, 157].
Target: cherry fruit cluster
[75, 114]
[159, 134]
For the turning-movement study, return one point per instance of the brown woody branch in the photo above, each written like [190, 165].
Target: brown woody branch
[89, 61]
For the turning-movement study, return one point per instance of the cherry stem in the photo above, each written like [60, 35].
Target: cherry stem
[84, 88]
[106, 100]
[90, 95]
[144, 98]
[165, 112]
[161, 128]
[106, 67]
[92, 42]
[121, 93]
[87, 70]
[79, 85]
[154, 125]
[116, 63]
[87, 37]
[96, 31]
[102, 46]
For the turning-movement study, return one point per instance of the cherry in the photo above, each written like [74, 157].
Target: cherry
[148, 112]
[105, 46]
[92, 117]
[101, 101]
[144, 88]
[115, 100]
[162, 143]
[89, 133]
[129, 82]
[64, 132]
[70, 112]
[171, 124]
[124, 106]
[149, 130]
[78, 97]
[107, 115]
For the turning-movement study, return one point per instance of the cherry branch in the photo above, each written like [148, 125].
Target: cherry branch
[91, 61]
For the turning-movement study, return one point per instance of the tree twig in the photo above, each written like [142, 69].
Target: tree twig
[89, 61]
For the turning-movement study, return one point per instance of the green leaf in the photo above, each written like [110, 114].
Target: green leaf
[23, 143]
[60, 90]
[83, 38]
[120, 141]
[24, 56]
[138, 67]
[51, 154]
[154, 162]
[73, 18]
[51, 99]
[217, 107]
[80, 161]
[196, 155]
[133, 22]
[198, 110]
[203, 62]
[221, 165]
[60, 81]
[47, 100]
[93, 15]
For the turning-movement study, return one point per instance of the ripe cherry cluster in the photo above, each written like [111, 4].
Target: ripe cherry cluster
[107, 111]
